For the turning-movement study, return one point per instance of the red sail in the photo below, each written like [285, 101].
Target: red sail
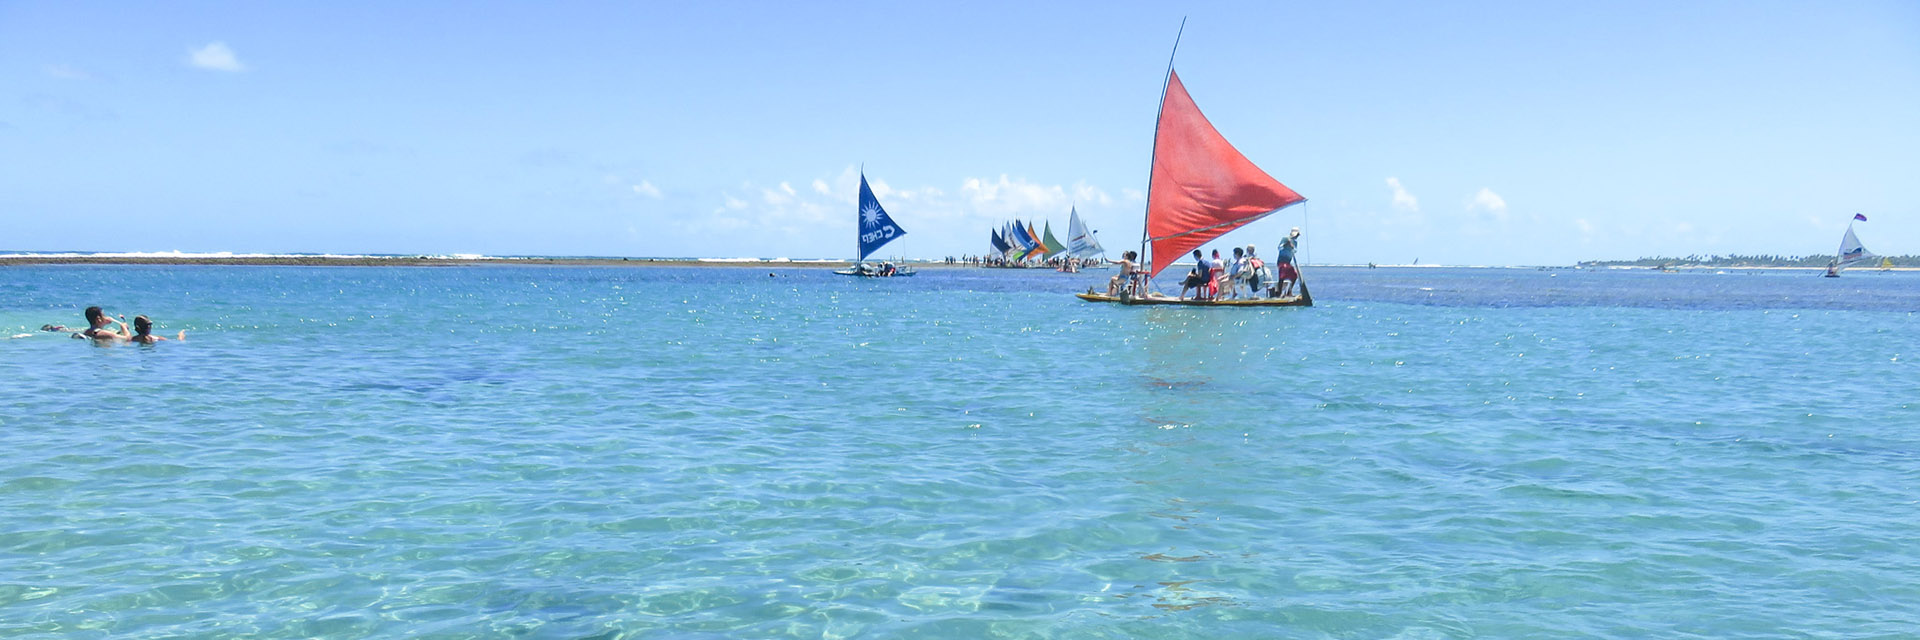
[1202, 186]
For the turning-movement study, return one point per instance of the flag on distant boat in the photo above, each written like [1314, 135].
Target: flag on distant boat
[1860, 217]
[876, 227]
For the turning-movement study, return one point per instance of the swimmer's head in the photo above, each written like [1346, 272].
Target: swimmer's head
[95, 316]
[142, 326]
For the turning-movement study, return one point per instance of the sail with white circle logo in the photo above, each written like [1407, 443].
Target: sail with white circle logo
[876, 228]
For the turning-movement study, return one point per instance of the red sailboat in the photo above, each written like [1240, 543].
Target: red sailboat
[1201, 189]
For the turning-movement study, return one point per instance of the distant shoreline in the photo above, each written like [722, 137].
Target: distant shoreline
[419, 261]
[466, 261]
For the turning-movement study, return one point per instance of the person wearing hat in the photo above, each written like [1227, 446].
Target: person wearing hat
[1285, 272]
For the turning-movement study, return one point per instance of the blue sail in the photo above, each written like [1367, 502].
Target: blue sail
[1023, 244]
[999, 245]
[876, 227]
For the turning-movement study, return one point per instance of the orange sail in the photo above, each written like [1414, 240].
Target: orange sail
[1202, 187]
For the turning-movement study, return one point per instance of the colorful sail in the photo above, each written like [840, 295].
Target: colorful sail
[1028, 246]
[876, 227]
[1202, 187]
[999, 244]
[1053, 245]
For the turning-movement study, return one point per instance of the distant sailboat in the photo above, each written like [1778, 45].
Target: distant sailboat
[873, 229]
[1053, 244]
[1080, 240]
[1851, 253]
[1201, 188]
[999, 244]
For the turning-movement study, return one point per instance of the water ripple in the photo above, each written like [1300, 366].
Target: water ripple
[561, 452]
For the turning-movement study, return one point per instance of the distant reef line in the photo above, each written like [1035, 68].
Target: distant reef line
[1900, 262]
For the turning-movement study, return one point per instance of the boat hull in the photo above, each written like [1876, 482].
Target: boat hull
[1296, 301]
[903, 273]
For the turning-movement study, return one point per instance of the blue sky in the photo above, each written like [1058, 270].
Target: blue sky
[1461, 133]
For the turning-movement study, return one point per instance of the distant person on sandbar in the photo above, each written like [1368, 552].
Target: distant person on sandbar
[143, 332]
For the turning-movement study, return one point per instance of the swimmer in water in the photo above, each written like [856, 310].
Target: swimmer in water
[143, 332]
[97, 322]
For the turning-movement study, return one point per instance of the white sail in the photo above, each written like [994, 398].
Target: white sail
[1851, 252]
[1080, 241]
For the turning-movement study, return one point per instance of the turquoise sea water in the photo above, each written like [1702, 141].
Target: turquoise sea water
[715, 453]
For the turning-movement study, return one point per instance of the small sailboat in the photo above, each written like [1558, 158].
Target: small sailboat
[1081, 242]
[1053, 245]
[1201, 188]
[874, 228]
[1851, 253]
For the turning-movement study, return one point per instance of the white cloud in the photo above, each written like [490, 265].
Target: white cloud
[1586, 228]
[1401, 199]
[1132, 195]
[780, 196]
[811, 216]
[215, 56]
[1007, 196]
[1084, 193]
[647, 189]
[68, 72]
[1487, 200]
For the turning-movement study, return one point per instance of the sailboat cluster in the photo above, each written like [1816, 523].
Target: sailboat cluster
[1017, 245]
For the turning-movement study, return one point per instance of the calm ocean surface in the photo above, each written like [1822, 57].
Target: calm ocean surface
[714, 453]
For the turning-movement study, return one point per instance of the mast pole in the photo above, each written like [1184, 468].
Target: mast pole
[857, 258]
[1147, 214]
